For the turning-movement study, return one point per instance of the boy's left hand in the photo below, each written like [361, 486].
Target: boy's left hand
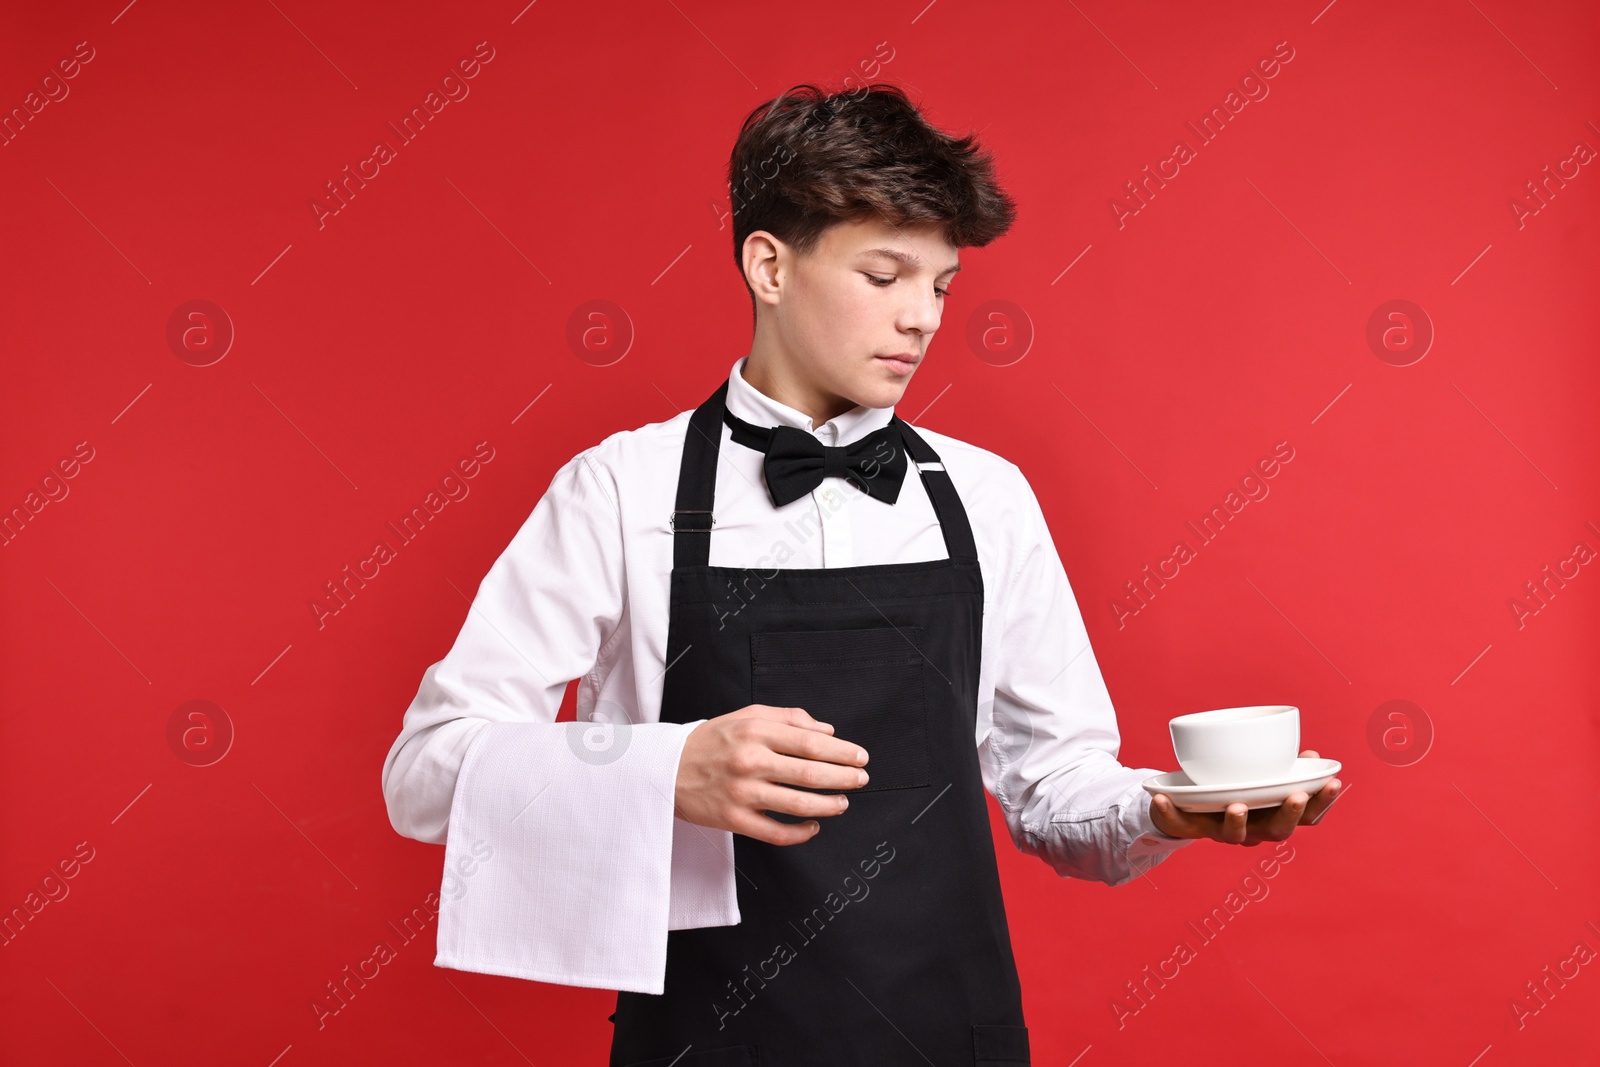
[1240, 825]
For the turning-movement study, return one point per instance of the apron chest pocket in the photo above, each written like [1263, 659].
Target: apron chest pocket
[867, 683]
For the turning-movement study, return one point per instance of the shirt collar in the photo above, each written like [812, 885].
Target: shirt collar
[750, 404]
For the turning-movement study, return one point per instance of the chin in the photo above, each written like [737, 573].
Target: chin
[886, 394]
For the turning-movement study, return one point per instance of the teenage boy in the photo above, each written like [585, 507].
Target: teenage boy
[808, 638]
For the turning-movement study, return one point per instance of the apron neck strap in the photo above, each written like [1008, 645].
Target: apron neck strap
[693, 519]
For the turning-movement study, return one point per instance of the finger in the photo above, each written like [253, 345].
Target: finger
[810, 744]
[773, 832]
[782, 799]
[1309, 753]
[1188, 824]
[799, 717]
[1323, 801]
[1235, 824]
[815, 774]
[1282, 821]
[1177, 820]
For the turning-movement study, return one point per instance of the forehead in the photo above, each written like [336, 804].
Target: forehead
[921, 247]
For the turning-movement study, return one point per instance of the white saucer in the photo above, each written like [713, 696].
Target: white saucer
[1308, 773]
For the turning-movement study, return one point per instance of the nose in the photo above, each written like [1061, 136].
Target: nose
[921, 313]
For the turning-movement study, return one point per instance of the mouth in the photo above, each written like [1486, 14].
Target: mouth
[901, 362]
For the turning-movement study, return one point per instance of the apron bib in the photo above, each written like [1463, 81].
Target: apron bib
[883, 939]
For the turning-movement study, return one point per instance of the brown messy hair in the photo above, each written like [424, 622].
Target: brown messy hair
[807, 159]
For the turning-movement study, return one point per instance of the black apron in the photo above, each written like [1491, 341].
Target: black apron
[883, 939]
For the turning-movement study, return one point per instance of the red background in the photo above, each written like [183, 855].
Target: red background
[372, 351]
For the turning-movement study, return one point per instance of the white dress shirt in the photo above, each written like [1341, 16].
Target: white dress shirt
[564, 861]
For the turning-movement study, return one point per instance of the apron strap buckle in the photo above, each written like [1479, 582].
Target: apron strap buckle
[692, 525]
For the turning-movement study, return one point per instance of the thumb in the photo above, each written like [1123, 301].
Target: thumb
[802, 718]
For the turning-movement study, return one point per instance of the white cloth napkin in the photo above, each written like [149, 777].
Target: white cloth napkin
[524, 792]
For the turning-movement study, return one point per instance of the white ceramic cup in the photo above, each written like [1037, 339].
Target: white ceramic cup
[1235, 745]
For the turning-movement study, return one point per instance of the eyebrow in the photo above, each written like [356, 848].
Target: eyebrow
[909, 260]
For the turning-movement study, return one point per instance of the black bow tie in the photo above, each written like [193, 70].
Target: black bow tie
[796, 462]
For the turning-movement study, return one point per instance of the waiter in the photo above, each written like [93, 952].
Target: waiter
[782, 854]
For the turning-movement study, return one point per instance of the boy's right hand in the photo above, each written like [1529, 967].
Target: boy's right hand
[733, 766]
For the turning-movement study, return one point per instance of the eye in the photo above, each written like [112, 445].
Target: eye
[883, 282]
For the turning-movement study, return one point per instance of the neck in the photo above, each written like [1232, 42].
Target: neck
[781, 380]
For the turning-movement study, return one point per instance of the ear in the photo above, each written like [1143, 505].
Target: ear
[763, 257]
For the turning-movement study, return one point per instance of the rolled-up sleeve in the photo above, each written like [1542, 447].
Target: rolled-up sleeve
[1050, 758]
[558, 836]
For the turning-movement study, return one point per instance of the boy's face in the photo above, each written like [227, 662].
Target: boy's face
[867, 291]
